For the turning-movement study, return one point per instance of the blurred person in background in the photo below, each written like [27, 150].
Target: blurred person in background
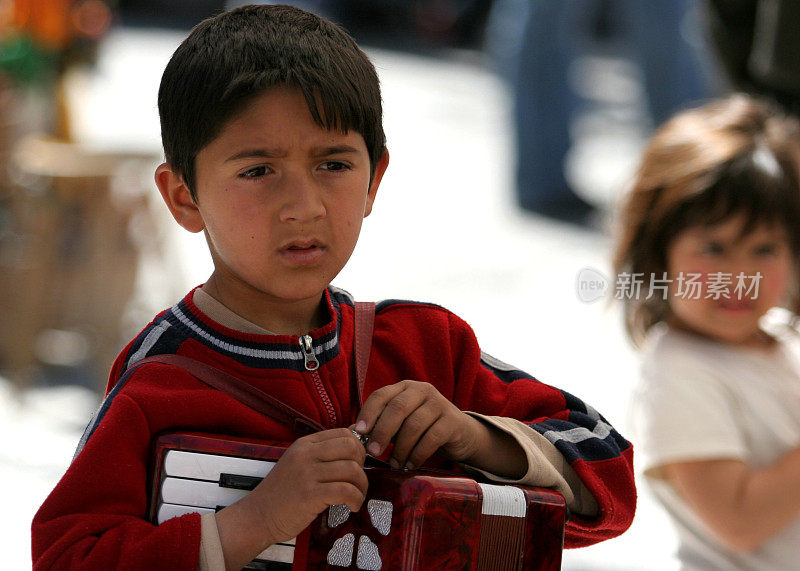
[710, 227]
[40, 40]
[409, 25]
[58, 224]
[758, 46]
[167, 14]
[536, 44]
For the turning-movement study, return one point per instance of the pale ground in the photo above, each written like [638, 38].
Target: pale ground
[444, 229]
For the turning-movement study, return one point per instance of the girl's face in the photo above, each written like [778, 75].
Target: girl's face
[723, 282]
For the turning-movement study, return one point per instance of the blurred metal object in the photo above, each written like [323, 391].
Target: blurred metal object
[363, 438]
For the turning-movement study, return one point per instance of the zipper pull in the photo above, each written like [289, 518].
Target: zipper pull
[308, 353]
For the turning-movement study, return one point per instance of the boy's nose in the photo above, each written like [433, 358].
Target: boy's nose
[303, 202]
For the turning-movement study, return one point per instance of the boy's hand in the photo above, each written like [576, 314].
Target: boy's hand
[316, 471]
[420, 421]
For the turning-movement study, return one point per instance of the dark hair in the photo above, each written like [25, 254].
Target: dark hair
[230, 58]
[733, 156]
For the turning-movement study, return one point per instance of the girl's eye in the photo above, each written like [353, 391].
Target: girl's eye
[335, 166]
[255, 172]
[765, 249]
[712, 249]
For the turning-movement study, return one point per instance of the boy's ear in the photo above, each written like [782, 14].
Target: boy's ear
[380, 168]
[178, 198]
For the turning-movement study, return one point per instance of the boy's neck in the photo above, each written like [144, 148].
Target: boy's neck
[280, 317]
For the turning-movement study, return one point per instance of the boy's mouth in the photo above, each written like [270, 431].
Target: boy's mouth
[302, 252]
[300, 245]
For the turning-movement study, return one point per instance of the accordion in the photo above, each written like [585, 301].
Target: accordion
[415, 520]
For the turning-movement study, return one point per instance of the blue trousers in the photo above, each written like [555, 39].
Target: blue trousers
[537, 41]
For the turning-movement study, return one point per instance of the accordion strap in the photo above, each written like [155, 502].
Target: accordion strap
[362, 344]
[263, 402]
[244, 392]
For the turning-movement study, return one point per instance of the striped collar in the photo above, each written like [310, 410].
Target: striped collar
[184, 320]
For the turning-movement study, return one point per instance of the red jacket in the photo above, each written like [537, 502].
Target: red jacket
[95, 517]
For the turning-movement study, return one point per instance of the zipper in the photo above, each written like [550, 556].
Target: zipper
[312, 364]
[308, 353]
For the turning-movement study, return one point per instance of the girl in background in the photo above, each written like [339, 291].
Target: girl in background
[710, 243]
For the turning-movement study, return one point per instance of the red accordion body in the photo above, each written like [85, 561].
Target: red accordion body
[415, 520]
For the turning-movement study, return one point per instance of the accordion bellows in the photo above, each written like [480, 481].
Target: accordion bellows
[415, 520]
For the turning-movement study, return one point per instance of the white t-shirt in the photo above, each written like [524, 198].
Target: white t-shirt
[699, 399]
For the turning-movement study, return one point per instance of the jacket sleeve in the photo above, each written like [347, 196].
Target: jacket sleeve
[95, 518]
[596, 453]
[547, 467]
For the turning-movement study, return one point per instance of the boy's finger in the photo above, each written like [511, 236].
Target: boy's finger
[326, 435]
[411, 431]
[337, 493]
[345, 447]
[391, 418]
[343, 471]
[428, 444]
[373, 406]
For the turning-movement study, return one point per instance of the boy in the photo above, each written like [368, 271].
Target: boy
[271, 124]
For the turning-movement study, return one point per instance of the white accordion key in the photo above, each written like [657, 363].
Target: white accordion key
[203, 483]
[169, 511]
[198, 493]
[200, 466]
[280, 552]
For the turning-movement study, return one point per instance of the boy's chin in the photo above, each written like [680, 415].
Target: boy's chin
[298, 294]
[302, 291]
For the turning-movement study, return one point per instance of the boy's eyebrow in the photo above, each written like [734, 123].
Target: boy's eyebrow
[250, 153]
[333, 150]
[272, 154]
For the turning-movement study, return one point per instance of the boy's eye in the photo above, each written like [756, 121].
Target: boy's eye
[255, 172]
[335, 166]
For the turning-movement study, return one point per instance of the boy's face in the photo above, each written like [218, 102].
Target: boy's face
[281, 200]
